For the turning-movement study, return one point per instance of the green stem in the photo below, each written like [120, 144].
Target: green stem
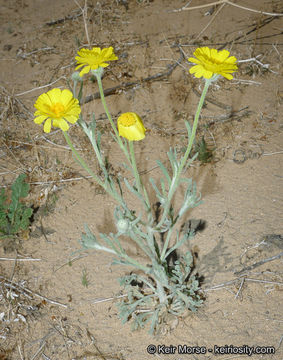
[135, 263]
[141, 188]
[117, 136]
[161, 293]
[184, 159]
[130, 157]
[140, 242]
[196, 119]
[75, 88]
[87, 169]
[166, 244]
[90, 134]
[81, 161]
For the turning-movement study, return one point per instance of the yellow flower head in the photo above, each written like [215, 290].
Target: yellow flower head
[131, 127]
[56, 107]
[211, 61]
[93, 59]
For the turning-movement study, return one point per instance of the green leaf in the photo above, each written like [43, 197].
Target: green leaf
[20, 189]
[89, 241]
[15, 217]
[158, 194]
[189, 130]
[165, 172]
[21, 219]
[80, 92]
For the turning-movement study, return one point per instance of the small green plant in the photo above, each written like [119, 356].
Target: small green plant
[205, 154]
[14, 215]
[85, 280]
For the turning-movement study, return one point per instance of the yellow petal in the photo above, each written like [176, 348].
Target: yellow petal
[94, 66]
[194, 69]
[213, 53]
[71, 118]
[54, 95]
[66, 97]
[64, 125]
[42, 101]
[79, 66]
[74, 110]
[61, 123]
[96, 50]
[85, 70]
[40, 119]
[37, 113]
[223, 55]
[207, 74]
[227, 76]
[132, 134]
[47, 126]
[107, 52]
[204, 51]
[193, 60]
[231, 60]
[80, 53]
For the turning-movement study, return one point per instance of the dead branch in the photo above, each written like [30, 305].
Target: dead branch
[27, 292]
[224, 2]
[259, 263]
[61, 20]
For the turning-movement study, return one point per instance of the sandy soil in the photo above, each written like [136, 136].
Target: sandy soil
[53, 313]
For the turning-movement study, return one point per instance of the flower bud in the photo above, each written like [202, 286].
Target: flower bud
[98, 72]
[76, 76]
[131, 127]
[123, 226]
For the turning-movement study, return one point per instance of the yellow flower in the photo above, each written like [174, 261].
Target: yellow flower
[131, 127]
[211, 61]
[95, 58]
[56, 107]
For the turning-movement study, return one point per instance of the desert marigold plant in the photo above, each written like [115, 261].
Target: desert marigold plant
[94, 58]
[161, 284]
[57, 108]
[210, 62]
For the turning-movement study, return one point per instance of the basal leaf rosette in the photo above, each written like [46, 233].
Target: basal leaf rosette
[131, 127]
[56, 107]
[94, 58]
[211, 61]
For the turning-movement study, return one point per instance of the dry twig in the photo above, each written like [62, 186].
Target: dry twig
[223, 285]
[40, 87]
[27, 292]
[224, 2]
[259, 263]
[84, 13]
[61, 20]
[25, 259]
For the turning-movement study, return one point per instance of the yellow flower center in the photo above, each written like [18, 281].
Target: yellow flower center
[127, 120]
[57, 109]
